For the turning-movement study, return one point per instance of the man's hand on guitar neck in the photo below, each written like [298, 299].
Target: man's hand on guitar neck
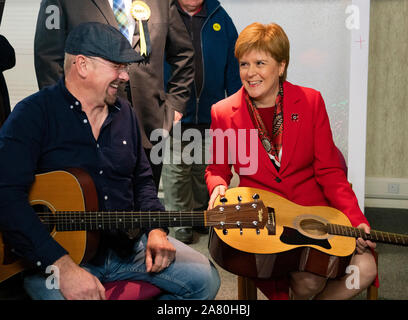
[361, 244]
[76, 283]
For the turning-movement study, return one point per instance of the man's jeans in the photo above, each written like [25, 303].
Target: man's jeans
[190, 276]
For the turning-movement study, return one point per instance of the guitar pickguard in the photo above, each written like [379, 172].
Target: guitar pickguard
[293, 237]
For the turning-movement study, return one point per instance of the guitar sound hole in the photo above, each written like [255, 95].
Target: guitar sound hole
[46, 216]
[313, 227]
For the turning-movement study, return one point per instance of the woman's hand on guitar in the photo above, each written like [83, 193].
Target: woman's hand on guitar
[76, 283]
[218, 191]
[364, 245]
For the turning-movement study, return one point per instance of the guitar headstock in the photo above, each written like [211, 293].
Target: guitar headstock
[252, 215]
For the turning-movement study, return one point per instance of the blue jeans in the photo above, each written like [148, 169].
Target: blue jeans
[190, 276]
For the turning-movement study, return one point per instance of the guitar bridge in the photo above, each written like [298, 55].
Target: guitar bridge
[271, 224]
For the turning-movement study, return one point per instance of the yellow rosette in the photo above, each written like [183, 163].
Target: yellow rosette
[141, 12]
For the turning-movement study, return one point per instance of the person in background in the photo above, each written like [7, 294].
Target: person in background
[7, 61]
[154, 29]
[82, 123]
[213, 35]
[296, 159]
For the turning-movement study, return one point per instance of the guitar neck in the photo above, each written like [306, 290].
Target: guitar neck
[376, 236]
[93, 221]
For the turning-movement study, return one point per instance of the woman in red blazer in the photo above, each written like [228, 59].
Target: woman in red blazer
[291, 153]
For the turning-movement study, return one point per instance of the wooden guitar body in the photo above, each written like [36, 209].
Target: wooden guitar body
[79, 195]
[299, 243]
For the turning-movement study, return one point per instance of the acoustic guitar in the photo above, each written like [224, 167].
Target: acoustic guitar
[66, 202]
[315, 239]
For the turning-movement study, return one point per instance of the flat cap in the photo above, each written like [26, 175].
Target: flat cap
[100, 40]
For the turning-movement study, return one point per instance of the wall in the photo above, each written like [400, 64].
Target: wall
[1, 8]
[387, 111]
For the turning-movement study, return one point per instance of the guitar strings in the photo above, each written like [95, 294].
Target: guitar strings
[119, 218]
[379, 236]
[140, 216]
[153, 217]
[78, 218]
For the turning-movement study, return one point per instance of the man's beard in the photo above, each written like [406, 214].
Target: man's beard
[111, 98]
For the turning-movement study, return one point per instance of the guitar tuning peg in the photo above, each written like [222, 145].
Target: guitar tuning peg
[255, 223]
[238, 206]
[224, 231]
[223, 200]
[255, 197]
[240, 227]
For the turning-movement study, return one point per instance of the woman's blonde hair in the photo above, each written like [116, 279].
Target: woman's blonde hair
[269, 38]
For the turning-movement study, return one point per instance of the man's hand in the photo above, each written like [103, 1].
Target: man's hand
[364, 245]
[160, 252]
[76, 283]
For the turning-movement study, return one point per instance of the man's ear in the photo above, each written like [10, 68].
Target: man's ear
[82, 65]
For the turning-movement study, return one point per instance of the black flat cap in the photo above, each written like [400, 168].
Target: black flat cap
[100, 40]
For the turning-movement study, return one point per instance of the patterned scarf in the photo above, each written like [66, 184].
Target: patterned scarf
[272, 144]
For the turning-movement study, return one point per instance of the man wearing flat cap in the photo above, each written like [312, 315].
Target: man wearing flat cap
[82, 123]
[154, 29]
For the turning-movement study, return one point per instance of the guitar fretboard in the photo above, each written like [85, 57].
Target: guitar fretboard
[377, 236]
[93, 221]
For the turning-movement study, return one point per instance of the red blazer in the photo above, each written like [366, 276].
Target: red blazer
[311, 172]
